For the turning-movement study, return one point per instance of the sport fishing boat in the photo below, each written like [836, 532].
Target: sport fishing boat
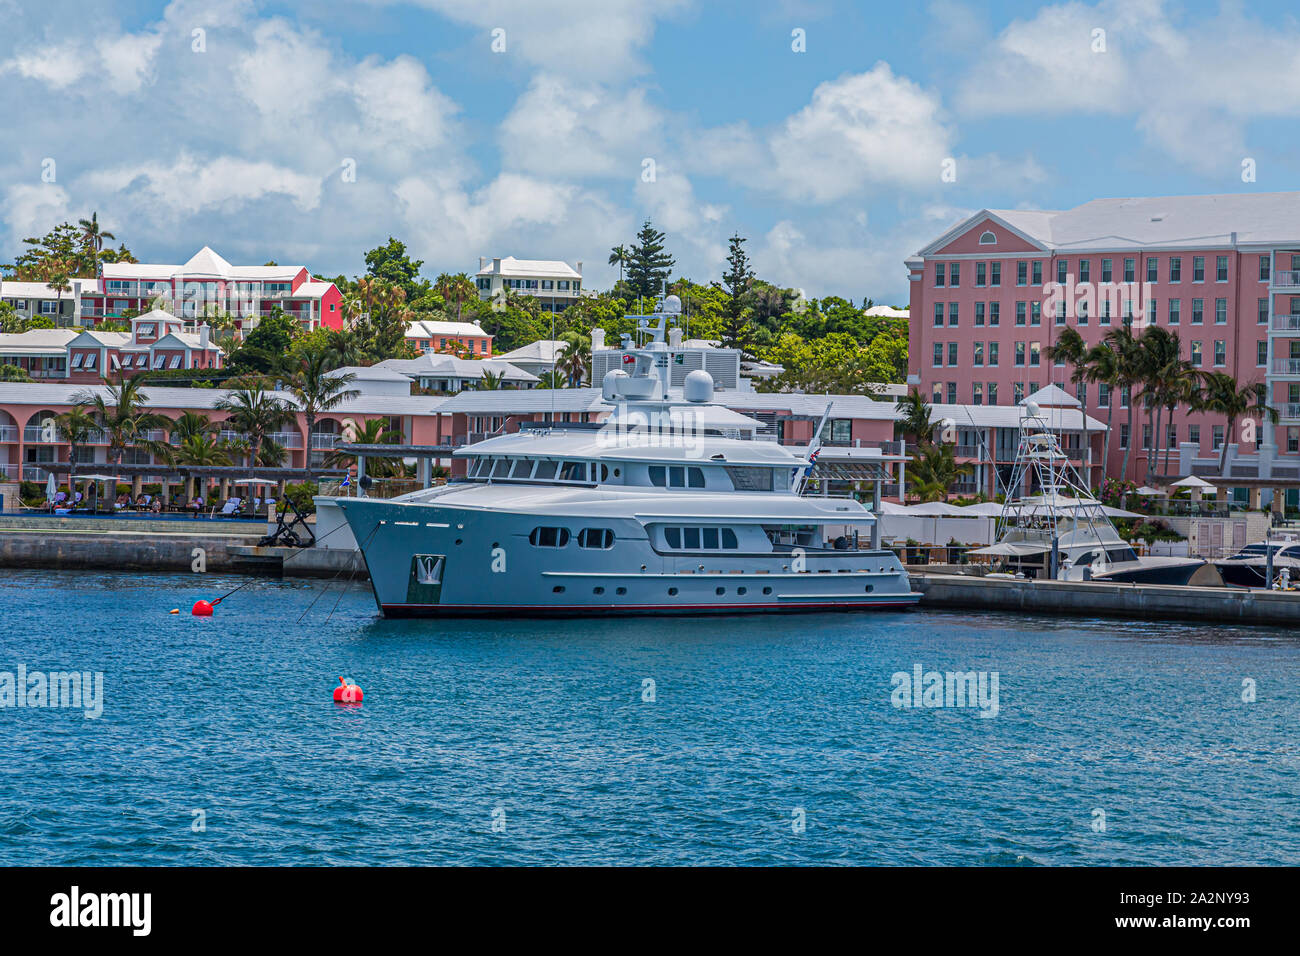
[1060, 530]
[1249, 567]
[659, 509]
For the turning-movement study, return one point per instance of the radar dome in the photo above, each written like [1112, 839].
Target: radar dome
[672, 304]
[1032, 410]
[609, 384]
[698, 386]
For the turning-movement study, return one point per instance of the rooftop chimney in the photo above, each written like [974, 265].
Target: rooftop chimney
[482, 263]
[579, 267]
[597, 339]
[496, 265]
[204, 332]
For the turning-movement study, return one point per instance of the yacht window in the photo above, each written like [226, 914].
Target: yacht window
[604, 472]
[696, 477]
[549, 537]
[573, 471]
[729, 538]
[677, 477]
[657, 475]
[602, 538]
[546, 469]
[673, 536]
[523, 468]
[501, 468]
[711, 537]
[691, 538]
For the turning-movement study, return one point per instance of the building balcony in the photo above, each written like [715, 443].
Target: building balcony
[324, 441]
[1286, 366]
[1285, 279]
[8, 433]
[1290, 412]
[1286, 323]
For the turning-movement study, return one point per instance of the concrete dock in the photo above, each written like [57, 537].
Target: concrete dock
[1090, 599]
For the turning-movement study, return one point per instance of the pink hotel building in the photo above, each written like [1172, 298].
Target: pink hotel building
[1223, 272]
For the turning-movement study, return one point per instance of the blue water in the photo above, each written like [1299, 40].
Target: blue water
[542, 728]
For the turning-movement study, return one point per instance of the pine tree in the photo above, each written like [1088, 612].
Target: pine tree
[738, 281]
[649, 266]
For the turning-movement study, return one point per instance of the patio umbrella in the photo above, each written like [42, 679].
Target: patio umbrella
[986, 509]
[1147, 491]
[1191, 481]
[51, 487]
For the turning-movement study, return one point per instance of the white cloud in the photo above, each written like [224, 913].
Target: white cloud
[56, 66]
[128, 59]
[188, 185]
[29, 209]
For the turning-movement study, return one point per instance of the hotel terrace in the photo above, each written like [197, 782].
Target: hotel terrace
[556, 285]
[209, 283]
[1221, 271]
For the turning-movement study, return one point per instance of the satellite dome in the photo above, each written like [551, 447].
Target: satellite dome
[1032, 409]
[698, 386]
[609, 384]
[672, 304]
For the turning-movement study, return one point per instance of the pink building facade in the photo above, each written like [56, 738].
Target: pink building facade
[208, 283]
[989, 297]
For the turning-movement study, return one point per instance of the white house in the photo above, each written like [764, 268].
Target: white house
[555, 284]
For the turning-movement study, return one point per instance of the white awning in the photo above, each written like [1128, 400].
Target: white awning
[1010, 549]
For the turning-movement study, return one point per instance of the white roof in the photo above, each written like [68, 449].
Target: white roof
[886, 312]
[543, 350]
[187, 340]
[37, 341]
[434, 363]
[204, 264]
[1007, 416]
[426, 328]
[14, 289]
[1177, 222]
[370, 373]
[95, 338]
[312, 289]
[1053, 396]
[545, 268]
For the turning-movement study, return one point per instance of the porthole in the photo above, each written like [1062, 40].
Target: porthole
[597, 590]
[767, 590]
[558, 589]
[620, 591]
[459, 541]
[719, 590]
[672, 592]
[868, 588]
[742, 590]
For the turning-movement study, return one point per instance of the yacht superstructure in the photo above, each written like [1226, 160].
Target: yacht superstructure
[657, 510]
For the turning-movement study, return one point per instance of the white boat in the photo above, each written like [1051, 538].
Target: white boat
[657, 510]
[1052, 526]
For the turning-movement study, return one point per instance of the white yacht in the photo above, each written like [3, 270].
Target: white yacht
[660, 509]
[1060, 530]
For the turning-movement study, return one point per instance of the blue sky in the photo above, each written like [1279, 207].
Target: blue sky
[828, 160]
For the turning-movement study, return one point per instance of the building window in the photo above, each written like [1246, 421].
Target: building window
[993, 390]
[981, 274]
[1130, 270]
[1123, 435]
[979, 353]
[1104, 319]
[1033, 354]
[1146, 437]
[1020, 355]
[1198, 268]
[952, 393]
[1038, 273]
[1060, 313]
[1220, 311]
[1106, 273]
[1062, 270]
[952, 314]
[996, 277]
[1175, 311]
[1153, 269]
[1261, 316]
[1175, 269]
[995, 313]
[977, 394]
[1198, 312]
[1221, 269]
[938, 275]
[1020, 313]
[1035, 313]
[1220, 353]
[1261, 352]
[979, 313]
[993, 354]
[1085, 270]
[1017, 392]
[1217, 432]
[1196, 354]
[938, 355]
[954, 274]
[1103, 395]
[938, 314]
[1022, 273]
[937, 393]
[952, 354]
[1194, 435]
[1265, 268]
[987, 238]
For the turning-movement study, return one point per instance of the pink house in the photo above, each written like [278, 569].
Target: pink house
[992, 294]
[207, 282]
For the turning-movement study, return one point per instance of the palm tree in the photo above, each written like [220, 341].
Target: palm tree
[199, 450]
[914, 418]
[619, 256]
[552, 379]
[1069, 348]
[1128, 372]
[1223, 396]
[347, 347]
[491, 381]
[14, 373]
[315, 389]
[60, 283]
[254, 412]
[934, 470]
[574, 357]
[75, 425]
[189, 425]
[458, 288]
[1165, 375]
[372, 432]
[93, 237]
[1100, 368]
[121, 415]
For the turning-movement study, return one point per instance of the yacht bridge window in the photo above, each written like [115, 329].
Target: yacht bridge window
[549, 537]
[676, 476]
[700, 539]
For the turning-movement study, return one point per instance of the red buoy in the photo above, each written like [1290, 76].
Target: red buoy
[202, 609]
[347, 693]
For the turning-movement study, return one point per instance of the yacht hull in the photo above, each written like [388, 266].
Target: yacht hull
[1166, 572]
[1251, 574]
[434, 560]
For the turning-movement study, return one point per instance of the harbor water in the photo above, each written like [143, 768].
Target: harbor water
[731, 740]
